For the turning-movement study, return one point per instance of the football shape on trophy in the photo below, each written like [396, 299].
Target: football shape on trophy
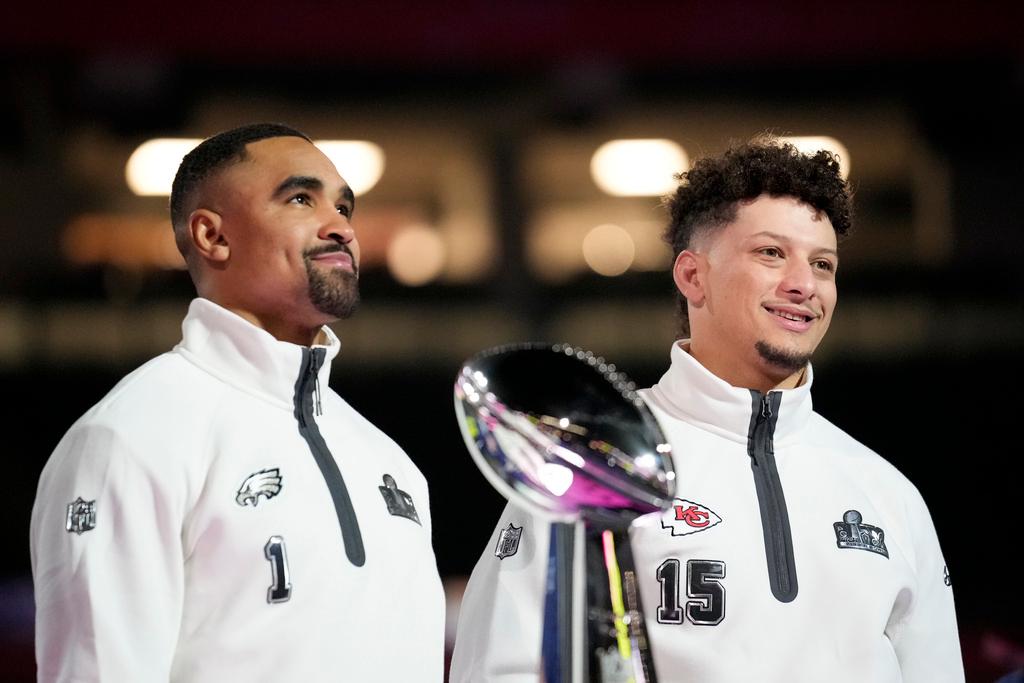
[560, 431]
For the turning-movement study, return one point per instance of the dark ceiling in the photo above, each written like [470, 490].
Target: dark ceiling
[466, 33]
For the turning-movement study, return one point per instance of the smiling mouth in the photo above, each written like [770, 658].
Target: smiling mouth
[327, 250]
[334, 257]
[798, 317]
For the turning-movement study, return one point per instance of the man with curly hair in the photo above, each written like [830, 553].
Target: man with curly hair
[792, 552]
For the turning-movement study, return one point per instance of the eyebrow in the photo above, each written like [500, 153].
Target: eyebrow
[299, 182]
[783, 238]
[305, 182]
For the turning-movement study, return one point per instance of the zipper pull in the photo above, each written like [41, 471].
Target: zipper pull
[314, 371]
[766, 406]
[316, 393]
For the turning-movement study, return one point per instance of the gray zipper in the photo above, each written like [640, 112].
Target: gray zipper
[778, 539]
[307, 396]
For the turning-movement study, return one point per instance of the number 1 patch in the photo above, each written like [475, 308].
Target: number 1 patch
[280, 586]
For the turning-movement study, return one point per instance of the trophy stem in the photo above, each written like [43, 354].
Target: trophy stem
[557, 643]
[617, 644]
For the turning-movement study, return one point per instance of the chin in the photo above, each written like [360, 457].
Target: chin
[336, 297]
[787, 358]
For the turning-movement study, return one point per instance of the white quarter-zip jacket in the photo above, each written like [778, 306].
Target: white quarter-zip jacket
[223, 515]
[793, 553]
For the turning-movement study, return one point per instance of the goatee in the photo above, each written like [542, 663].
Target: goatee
[789, 361]
[335, 292]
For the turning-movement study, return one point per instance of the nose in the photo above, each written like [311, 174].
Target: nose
[337, 228]
[798, 281]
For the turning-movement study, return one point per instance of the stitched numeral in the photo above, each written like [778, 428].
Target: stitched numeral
[281, 587]
[668, 610]
[706, 606]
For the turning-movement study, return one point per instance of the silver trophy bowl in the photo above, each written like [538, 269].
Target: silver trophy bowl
[561, 432]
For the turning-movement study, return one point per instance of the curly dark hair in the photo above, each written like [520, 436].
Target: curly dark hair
[207, 158]
[709, 194]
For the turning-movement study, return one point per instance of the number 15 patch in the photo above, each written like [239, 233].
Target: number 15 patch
[706, 606]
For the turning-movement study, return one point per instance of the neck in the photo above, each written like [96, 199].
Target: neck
[281, 330]
[282, 327]
[794, 380]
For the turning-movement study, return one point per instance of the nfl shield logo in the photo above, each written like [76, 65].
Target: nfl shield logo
[81, 516]
[508, 541]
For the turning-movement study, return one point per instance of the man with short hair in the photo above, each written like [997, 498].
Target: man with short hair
[222, 514]
[793, 552]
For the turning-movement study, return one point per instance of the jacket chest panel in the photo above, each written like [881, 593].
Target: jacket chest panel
[847, 553]
[264, 483]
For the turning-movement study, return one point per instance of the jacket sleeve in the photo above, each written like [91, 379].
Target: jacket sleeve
[108, 592]
[501, 618]
[925, 634]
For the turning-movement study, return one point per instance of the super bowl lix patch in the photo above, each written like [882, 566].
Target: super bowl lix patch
[854, 534]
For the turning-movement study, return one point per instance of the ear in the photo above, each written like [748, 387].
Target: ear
[208, 239]
[688, 273]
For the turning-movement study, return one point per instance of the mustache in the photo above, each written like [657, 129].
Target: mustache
[313, 252]
[328, 249]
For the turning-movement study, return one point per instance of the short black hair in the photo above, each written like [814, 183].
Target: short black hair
[210, 156]
[709, 194]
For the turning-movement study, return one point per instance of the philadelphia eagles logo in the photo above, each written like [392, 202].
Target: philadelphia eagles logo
[265, 483]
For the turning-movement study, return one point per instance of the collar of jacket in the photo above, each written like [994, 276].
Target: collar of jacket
[245, 356]
[691, 392]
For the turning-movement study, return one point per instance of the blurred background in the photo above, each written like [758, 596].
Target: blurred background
[492, 210]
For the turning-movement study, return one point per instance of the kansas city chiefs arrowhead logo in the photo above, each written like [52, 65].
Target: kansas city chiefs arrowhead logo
[686, 517]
